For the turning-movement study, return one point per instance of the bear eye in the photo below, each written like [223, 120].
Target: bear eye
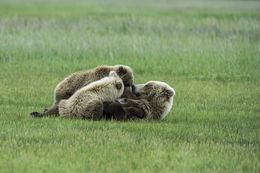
[127, 85]
[147, 85]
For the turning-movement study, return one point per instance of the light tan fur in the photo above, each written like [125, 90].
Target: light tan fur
[87, 102]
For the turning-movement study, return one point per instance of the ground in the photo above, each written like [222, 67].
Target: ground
[208, 51]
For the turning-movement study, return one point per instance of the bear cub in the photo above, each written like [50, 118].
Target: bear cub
[87, 102]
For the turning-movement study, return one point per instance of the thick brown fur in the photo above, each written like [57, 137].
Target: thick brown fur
[128, 109]
[87, 102]
[66, 88]
[154, 101]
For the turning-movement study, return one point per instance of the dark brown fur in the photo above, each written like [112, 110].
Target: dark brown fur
[129, 110]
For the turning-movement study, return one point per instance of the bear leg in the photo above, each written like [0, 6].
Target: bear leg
[134, 112]
[114, 110]
[54, 110]
[94, 111]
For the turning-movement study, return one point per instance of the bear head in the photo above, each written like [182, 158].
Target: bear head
[116, 83]
[159, 96]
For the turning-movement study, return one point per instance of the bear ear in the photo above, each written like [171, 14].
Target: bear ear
[121, 71]
[112, 74]
[118, 85]
[168, 93]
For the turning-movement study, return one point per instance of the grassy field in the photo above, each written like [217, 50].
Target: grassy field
[208, 51]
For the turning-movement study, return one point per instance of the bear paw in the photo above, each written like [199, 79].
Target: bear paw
[36, 114]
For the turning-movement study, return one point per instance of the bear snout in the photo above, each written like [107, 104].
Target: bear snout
[134, 91]
[133, 88]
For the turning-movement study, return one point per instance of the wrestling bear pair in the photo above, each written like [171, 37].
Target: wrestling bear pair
[94, 94]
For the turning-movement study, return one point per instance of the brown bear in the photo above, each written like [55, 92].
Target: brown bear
[66, 88]
[154, 102]
[87, 102]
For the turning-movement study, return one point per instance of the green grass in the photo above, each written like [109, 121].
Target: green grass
[208, 51]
